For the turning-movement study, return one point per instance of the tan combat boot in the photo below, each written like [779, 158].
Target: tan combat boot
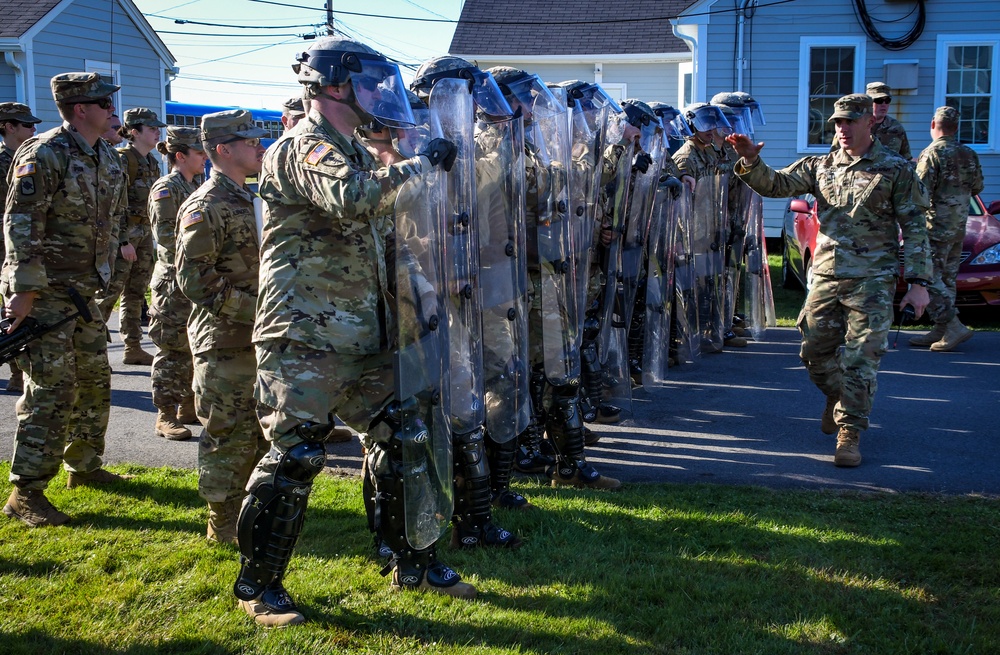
[954, 334]
[186, 413]
[100, 476]
[932, 337]
[847, 454]
[438, 578]
[134, 354]
[827, 424]
[169, 427]
[33, 508]
[222, 520]
[15, 383]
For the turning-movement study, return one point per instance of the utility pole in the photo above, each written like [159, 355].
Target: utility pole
[329, 17]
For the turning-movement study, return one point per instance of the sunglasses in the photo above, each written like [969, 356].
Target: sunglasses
[26, 126]
[254, 142]
[882, 101]
[103, 103]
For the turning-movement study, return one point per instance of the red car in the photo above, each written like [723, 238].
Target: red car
[978, 283]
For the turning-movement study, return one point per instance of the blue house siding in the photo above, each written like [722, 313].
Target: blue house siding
[773, 43]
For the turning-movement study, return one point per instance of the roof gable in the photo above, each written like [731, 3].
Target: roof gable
[21, 15]
[592, 27]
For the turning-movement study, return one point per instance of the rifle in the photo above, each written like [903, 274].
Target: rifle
[13, 344]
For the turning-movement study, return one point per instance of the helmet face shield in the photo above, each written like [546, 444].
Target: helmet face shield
[709, 118]
[678, 128]
[533, 95]
[488, 96]
[600, 98]
[649, 133]
[410, 141]
[756, 112]
[380, 91]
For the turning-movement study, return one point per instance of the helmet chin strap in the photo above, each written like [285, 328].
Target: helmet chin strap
[352, 103]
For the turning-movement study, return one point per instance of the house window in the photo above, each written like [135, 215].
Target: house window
[111, 72]
[685, 75]
[967, 69]
[829, 68]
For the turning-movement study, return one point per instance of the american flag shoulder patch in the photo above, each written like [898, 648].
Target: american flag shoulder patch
[25, 169]
[317, 154]
[161, 194]
[192, 219]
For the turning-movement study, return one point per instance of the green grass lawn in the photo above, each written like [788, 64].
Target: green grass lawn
[653, 569]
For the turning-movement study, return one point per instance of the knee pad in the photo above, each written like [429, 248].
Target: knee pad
[472, 481]
[272, 517]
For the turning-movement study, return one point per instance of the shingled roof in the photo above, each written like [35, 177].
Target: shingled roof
[602, 27]
[20, 15]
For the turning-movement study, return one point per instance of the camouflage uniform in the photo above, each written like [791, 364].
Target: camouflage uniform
[169, 307]
[63, 193]
[217, 268]
[328, 202]
[696, 160]
[951, 173]
[130, 279]
[863, 203]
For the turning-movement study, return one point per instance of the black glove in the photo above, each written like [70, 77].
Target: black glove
[642, 162]
[441, 152]
[672, 184]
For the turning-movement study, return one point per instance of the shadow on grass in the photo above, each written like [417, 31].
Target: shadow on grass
[37, 642]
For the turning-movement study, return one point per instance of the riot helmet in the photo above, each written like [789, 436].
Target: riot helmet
[590, 95]
[756, 112]
[672, 127]
[485, 92]
[527, 92]
[640, 115]
[377, 87]
[703, 117]
[736, 110]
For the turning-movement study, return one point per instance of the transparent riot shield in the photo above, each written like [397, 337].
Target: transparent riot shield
[640, 213]
[503, 277]
[453, 113]
[757, 298]
[612, 342]
[560, 339]
[660, 287]
[740, 198]
[421, 363]
[685, 338]
[708, 243]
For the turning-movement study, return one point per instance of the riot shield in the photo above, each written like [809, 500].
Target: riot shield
[740, 199]
[612, 346]
[637, 227]
[503, 277]
[685, 337]
[758, 301]
[422, 385]
[708, 243]
[660, 286]
[560, 338]
[453, 112]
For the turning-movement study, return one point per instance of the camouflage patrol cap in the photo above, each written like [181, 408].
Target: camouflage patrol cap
[875, 90]
[851, 107]
[234, 123]
[70, 88]
[946, 116]
[15, 111]
[141, 116]
[185, 136]
[293, 107]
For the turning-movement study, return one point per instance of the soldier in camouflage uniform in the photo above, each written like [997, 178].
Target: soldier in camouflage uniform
[134, 266]
[321, 332]
[291, 112]
[951, 173]
[169, 308]
[17, 125]
[61, 223]
[866, 195]
[217, 267]
[886, 130]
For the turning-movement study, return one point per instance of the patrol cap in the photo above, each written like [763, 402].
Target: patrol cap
[15, 111]
[851, 107]
[68, 88]
[946, 116]
[185, 136]
[141, 116]
[876, 90]
[236, 123]
[293, 107]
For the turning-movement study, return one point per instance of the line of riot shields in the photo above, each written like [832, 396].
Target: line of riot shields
[637, 273]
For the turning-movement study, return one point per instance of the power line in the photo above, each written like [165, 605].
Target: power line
[184, 21]
[227, 36]
[609, 21]
[238, 54]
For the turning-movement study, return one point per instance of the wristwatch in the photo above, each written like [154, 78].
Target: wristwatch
[918, 281]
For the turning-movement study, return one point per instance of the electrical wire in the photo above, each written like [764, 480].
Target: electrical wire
[899, 43]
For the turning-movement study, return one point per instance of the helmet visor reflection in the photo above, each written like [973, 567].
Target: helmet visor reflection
[488, 96]
[532, 92]
[380, 91]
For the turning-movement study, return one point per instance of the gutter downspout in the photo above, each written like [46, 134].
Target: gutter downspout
[741, 61]
[8, 57]
[692, 43]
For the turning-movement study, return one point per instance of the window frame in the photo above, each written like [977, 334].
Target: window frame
[806, 44]
[946, 41]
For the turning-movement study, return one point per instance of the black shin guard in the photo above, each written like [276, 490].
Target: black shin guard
[530, 458]
[565, 429]
[270, 523]
[501, 458]
[473, 517]
[590, 370]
